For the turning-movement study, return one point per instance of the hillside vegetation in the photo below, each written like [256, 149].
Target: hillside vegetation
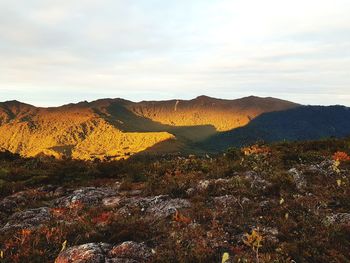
[286, 202]
[116, 128]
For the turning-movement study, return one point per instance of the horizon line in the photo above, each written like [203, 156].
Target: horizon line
[145, 100]
[163, 100]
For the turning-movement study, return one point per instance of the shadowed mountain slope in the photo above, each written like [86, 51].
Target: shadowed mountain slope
[301, 123]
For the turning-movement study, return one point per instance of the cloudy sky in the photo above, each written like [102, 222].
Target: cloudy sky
[54, 52]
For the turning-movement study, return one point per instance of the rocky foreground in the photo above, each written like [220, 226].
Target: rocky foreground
[242, 207]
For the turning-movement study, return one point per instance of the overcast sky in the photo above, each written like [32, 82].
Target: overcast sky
[55, 52]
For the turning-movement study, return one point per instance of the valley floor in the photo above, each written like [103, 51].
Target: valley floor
[286, 202]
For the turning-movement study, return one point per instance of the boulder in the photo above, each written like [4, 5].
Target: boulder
[131, 250]
[28, 219]
[87, 253]
[155, 207]
[85, 196]
[21, 199]
[10, 203]
[127, 252]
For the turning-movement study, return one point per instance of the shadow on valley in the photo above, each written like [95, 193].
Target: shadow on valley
[125, 120]
[298, 124]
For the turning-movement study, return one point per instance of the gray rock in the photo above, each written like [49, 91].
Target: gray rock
[28, 219]
[131, 250]
[156, 207]
[326, 164]
[270, 235]
[339, 218]
[127, 252]
[85, 196]
[256, 180]
[225, 201]
[299, 179]
[20, 199]
[112, 201]
[10, 203]
[203, 185]
[87, 253]
[219, 184]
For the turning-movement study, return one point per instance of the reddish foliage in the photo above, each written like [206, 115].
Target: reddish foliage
[102, 218]
[341, 156]
[237, 250]
[181, 218]
[58, 212]
[76, 205]
[25, 234]
[256, 149]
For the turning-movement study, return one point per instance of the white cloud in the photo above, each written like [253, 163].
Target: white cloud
[60, 51]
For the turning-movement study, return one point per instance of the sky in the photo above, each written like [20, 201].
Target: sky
[56, 52]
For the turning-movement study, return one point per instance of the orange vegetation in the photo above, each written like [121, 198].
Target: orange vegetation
[256, 149]
[178, 217]
[102, 218]
[341, 156]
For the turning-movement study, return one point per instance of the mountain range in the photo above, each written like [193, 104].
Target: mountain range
[118, 128]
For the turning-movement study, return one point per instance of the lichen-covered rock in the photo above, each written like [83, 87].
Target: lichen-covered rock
[28, 219]
[127, 252]
[256, 180]
[85, 196]
[112, 201]
[270, 235]
[87, 253]
[266, 205]
[225, 201]
[203, 185]
[339, 218]
[131, 250]
[326, 164]
[156, 207]
[219, 184]
[23, 198]
[10, 203]
[298, 178]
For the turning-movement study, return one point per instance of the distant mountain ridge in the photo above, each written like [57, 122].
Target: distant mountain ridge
[118, 128]
[222, 114]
